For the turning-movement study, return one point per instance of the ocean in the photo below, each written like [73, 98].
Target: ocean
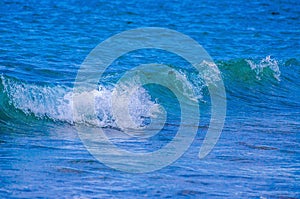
[50, 125]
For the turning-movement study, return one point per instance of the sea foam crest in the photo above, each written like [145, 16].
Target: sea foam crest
[266, 63]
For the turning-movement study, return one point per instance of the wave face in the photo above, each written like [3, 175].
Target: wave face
[243, 78]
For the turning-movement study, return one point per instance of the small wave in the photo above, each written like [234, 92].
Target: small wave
[43, 101]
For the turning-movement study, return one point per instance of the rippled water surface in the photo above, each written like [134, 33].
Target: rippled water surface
[255, 44]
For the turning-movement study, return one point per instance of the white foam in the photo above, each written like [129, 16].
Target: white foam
[56, 103]
[267, 62]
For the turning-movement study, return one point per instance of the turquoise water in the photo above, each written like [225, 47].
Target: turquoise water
[255, 46]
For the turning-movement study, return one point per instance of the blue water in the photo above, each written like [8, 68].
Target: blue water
[256, 46]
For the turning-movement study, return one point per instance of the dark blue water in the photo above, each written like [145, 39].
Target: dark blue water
[255, 44]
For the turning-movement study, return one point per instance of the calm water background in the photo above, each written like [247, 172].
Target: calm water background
[256, 46]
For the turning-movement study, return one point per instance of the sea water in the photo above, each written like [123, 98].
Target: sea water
[255, 45]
